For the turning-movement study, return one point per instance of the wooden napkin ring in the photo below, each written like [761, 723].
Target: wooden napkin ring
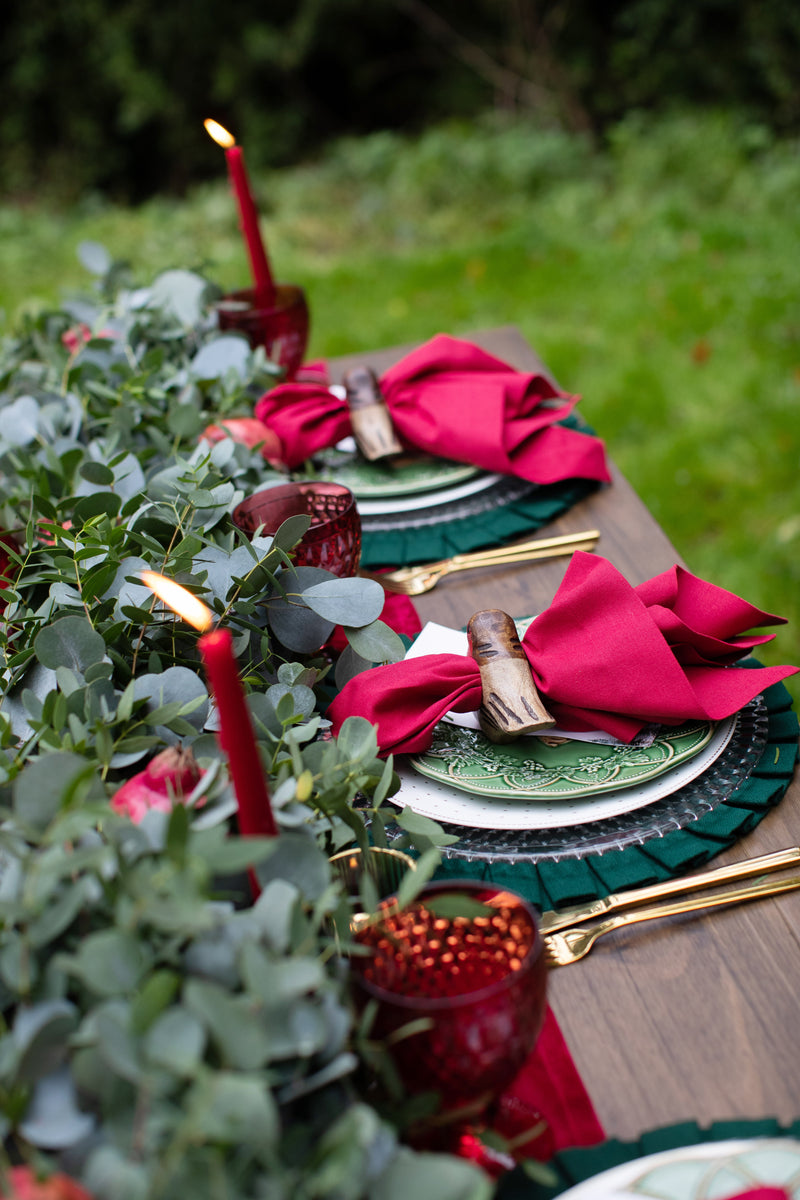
[369, 415]
[510, 703]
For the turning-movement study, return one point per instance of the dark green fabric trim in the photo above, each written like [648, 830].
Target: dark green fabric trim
[573, 881]
[428, 543]
[574, 1166]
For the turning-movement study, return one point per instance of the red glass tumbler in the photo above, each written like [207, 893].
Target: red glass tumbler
[333, 540]
[481, 982]
[280, 326]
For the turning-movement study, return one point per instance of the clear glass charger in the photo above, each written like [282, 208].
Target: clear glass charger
[677, 810]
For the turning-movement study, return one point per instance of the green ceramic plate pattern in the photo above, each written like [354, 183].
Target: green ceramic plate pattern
[700, 1172]
[530, 770]
[410, 476]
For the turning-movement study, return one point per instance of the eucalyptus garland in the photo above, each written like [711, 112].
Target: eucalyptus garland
[161, 1034]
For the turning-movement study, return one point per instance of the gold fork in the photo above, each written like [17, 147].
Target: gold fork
[413, 581]
[571, 945]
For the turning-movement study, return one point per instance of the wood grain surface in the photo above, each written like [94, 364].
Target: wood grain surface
[695, 1018]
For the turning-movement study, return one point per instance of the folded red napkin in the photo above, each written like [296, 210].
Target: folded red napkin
[451, 399]
[605, 655]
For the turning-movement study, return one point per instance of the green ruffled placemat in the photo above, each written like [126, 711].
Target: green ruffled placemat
[428, 543]
[574, 1166]
[573, 881]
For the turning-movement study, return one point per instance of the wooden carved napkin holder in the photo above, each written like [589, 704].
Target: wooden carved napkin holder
[369, 415]
[510, 703]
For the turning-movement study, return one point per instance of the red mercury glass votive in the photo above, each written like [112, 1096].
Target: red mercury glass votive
[481, 982]
[280, 326]
[333, 540]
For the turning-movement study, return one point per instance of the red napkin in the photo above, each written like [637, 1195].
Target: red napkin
[762, 1193]
[605, 655]
[451, 399]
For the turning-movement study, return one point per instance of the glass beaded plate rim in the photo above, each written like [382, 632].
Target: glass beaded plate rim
[675, 811]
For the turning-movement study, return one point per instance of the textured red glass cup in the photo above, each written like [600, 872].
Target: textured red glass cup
[281, 327]
[333, 540]
[480, 982]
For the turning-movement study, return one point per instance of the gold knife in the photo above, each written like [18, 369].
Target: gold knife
[577, 914]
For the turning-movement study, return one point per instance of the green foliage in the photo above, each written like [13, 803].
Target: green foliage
[156, 1037]
[156, 1040]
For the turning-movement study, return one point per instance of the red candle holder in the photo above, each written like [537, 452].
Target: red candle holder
[279, 324]
[333, 540]
[480, 981]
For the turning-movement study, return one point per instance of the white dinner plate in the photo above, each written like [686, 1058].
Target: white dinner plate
[388, 505]
[708, 1171]
[453, 806]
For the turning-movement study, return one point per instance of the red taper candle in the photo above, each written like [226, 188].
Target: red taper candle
[248, 213]
[236, 730]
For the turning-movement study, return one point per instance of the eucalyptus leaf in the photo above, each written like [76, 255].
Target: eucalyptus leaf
[430, 1177]
[236, 1109]
[291, 531]
[17, 704]
[176, 1041]
[112, 1176]
[111, 962]
[19, 421]
[298, 860]
[98, 473]
[279, 981]
[358, 738]
[295, 625]
[350, 664]
[230, 1021]
[377, 643]
[53, 1119]
[41, 1033]
[354, 602]
[181, 294]
[50, 782]
[229, 352]
[97, 504]
[94, 257]
[69, 642]
[176, 685]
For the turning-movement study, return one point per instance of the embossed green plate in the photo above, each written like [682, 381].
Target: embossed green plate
[411, 476]
[528, 769]
[732, 1168]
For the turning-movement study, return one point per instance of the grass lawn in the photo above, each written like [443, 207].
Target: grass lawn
[658, 279]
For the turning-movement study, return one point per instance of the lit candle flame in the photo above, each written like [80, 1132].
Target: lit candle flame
[219, 133]
[180, 600]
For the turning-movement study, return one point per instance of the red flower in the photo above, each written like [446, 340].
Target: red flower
[23, 1184]
[78, 335]
[251, 432]
[167, 778]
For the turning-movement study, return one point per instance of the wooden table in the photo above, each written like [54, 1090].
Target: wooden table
[690, 1018]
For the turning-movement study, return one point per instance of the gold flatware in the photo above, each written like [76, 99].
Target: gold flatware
[562, 918]
[571, 945]
[413, 581]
